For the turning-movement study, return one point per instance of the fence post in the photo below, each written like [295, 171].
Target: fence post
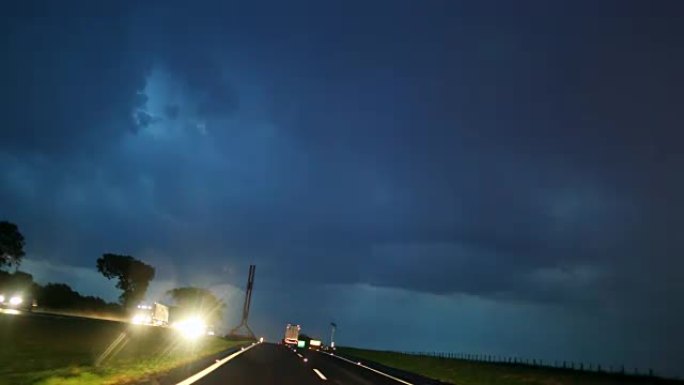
[650, 372]
[622, 369]
[581, 365]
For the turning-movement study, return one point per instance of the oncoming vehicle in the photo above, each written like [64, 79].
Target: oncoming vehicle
[155, 314]
[16, 301]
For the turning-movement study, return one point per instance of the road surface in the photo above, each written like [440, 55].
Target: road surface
[267, 364]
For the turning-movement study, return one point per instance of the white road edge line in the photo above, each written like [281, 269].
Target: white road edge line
[320, 374]
[369, 368]
[300, 356]
[197, 376]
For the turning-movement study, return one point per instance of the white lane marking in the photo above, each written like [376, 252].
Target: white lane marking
[371, 369]
[300, 356]
[320, 374]
[197, 376]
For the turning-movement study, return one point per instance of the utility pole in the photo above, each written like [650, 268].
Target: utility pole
[246, 306]
[333, 326]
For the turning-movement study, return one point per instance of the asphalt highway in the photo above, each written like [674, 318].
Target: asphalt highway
[267, 364]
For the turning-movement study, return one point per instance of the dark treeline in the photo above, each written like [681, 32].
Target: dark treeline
[58, 296]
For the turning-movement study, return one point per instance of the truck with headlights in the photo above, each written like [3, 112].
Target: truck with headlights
[156, 314]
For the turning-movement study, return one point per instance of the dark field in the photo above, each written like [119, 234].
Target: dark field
[41, 349]
[463, 372]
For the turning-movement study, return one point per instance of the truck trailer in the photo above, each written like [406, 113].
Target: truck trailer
[291, 334]
[156, 314]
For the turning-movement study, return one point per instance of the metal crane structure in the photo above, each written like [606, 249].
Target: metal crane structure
[243, 329]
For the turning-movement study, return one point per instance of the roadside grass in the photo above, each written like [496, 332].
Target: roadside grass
[463, 372]
[64, 351]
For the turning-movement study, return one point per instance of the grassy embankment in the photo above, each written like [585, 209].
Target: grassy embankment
[463, 372]
[70, 351]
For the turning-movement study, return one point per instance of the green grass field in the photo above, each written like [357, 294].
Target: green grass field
[51, 351]
[463, 372]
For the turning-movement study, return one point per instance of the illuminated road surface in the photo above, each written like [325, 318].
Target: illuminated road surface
[267, 364]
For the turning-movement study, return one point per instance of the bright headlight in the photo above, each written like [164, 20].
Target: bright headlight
[141, 319]
[2, 298]
[191, 328]
[16, 300]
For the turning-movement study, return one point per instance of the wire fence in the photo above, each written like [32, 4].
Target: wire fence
[537, 363]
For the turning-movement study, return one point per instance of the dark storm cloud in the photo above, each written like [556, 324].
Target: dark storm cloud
[172, 111]
[527, 153]
[69, 76]
[219, 100]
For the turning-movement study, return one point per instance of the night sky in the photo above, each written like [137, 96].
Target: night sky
[498, 177]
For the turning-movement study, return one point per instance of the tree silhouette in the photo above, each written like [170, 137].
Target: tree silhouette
[58, 296]
[62, 296]
[195, 300]
[11, 244]
[134, 276]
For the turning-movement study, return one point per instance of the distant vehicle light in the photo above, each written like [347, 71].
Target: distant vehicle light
[2, 298]
[16, 300]
[261, 339]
